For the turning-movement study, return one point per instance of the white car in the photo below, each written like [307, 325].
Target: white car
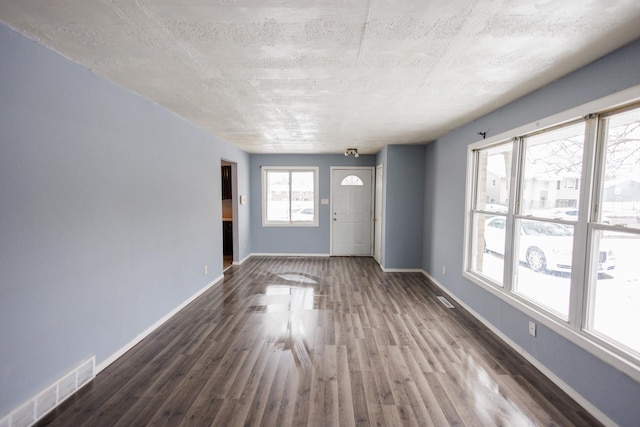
[543, 245]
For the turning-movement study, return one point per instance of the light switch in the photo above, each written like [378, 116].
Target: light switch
[324, 201]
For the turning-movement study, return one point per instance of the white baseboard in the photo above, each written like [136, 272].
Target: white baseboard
[402, 270]
[109, 360]
[290, 255]
[604, 419]
[242, 260]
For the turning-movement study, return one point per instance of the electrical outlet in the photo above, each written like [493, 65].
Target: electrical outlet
[444, 270]
[206, 269]
[532, 329]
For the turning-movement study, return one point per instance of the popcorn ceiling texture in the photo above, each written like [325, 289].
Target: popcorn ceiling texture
[278, 76]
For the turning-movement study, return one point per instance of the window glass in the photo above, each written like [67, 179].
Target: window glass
[277, 196]
[614, 310]
[488, 246]
[494, 177]
[351, 180]
[544, 264]
[552, 170]
[621, 183]
[302, 203]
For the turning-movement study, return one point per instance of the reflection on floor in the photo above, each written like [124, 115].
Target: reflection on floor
[227, 262]
[320, 341]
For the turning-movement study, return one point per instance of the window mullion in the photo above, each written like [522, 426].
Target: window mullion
[514, 200]
[600, 149]
[579, 272]
[290, 197]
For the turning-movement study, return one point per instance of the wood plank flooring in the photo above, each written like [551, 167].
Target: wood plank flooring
[320, 341]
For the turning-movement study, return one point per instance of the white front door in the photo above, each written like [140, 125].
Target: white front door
[351, 211]
[377, 232]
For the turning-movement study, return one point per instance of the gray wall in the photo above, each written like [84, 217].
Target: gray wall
[110, 206]
[614, 393]
[296, 240]
[404, 206]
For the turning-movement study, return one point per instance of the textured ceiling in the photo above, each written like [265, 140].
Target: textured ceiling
[278, 76]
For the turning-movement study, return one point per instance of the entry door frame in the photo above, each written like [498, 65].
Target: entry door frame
[373, 178]
[378, 213]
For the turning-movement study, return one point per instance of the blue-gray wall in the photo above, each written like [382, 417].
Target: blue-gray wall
[404, 206]
[296, 240]
[611, 391]
[110, 206]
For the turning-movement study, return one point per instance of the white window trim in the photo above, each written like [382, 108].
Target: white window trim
[316, 186]
[571, 329]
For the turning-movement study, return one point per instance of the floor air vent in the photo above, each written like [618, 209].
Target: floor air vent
[39, 406]
[444, 302]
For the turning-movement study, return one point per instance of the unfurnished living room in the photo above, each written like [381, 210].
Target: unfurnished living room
[340, 212]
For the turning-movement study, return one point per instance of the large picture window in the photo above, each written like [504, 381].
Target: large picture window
[554, 225]
[290, 196]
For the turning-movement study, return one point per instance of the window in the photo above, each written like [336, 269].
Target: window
[543, 239]
[564, 250]
[290, 196]
[614, 295]
[494, 165]
[351, 180]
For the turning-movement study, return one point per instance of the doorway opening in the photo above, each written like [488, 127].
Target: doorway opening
[228, 173]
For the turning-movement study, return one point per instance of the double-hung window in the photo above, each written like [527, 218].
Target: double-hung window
[553, 225]
[289, 196]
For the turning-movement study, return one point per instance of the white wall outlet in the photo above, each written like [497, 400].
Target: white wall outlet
[444, 270]
[206, 269]
[532, 329]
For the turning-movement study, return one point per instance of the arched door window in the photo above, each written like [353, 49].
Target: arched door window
[351, 180]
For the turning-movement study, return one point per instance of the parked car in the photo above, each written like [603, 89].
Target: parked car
[543, 245]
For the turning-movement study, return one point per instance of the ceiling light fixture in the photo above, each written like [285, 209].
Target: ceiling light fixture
[352, 152]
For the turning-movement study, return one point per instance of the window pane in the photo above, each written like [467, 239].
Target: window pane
[615, 297]
[352, 180]
[494, 176]
[277, 196]
[621, 192]
[302, 205]
[488, 246]
[552, 170]
[544, 263]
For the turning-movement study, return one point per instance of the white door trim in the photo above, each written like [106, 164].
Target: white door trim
[373, 175]
[378, 203]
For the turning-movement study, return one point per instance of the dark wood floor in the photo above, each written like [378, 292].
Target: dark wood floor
[320, 341]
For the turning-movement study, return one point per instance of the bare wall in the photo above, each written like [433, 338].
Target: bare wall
[110, 208]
